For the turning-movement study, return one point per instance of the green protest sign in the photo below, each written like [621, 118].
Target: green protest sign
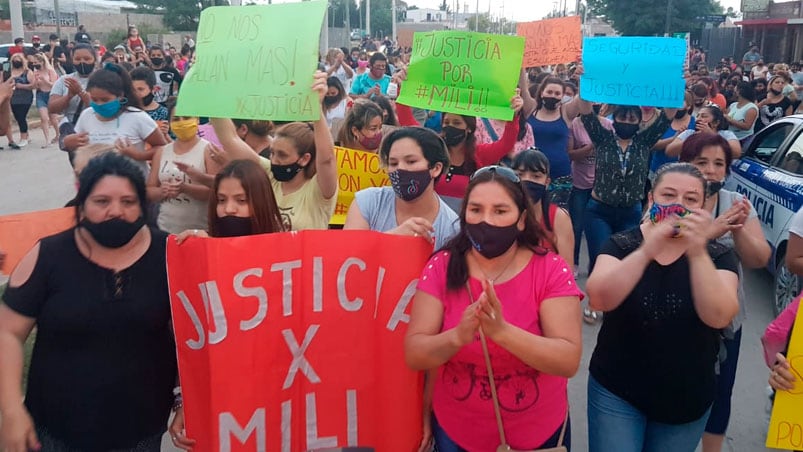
[255, 62]
[472, 74]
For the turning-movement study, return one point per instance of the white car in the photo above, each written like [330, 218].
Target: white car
[4, 50]
[770, 175]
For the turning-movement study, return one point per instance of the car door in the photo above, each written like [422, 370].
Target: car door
[755, 176]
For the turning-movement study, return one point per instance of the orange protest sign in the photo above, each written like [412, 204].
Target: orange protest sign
[551, 41]
[294, 341]
[356, 170]
[20, 232]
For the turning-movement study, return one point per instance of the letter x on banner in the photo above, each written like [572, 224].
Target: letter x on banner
[294, 341]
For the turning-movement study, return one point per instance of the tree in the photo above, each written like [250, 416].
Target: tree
[648, 17]
[483, 25]
[337, 13]
[381, 15]
[178, 15]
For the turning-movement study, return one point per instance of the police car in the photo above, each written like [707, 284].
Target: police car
[770, 175]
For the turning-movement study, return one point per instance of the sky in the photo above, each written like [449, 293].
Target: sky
[518, 10]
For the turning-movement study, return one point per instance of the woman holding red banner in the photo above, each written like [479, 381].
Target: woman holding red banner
[529, 345]
[241, 203]
[302, 167]
[97, 294]
[414, 158]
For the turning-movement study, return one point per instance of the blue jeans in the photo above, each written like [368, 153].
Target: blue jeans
[603, 220]
[615, 425]
[445, 444]
[578, 200]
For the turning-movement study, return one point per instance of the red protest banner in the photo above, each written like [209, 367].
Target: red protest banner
[20, 232]
[551, 41]
[294, 341]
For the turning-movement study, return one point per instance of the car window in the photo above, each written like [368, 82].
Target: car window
[792, 160]
[4, 52]
[765, 145]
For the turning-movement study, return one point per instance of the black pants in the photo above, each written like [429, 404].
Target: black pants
[21, 115]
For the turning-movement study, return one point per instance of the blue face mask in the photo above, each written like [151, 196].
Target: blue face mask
[107, 110]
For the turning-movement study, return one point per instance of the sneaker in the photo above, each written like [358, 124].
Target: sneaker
[23, 143]
[591, 317]
[13, 145]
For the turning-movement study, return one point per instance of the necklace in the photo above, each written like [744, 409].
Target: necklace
[504, 269]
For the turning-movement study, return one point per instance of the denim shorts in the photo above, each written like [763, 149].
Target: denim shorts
[42, 99]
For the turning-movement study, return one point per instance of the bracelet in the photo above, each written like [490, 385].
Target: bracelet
[178, 403]
[177, 391]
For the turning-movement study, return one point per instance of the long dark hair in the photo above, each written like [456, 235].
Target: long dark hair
[547, 81]
[265, 216]
[114, 79]
[469, 161]
[531, 237]
[536, 161]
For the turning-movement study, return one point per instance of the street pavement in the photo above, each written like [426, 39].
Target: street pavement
[35, 179]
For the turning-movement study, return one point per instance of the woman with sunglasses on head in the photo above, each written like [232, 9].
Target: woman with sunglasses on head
[414, 159]
[736, 226]
[302, 167]
[666, 292]
[496, 279]
[115, 118]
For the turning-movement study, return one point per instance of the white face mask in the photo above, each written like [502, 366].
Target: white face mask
[566, 99]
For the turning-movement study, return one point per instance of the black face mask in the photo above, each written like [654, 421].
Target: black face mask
[231, 226]
[84, 68]
[713, 187]
[16, 64]
[492, 241]
[535, 190]
[329, 100]
[147, 99]
[625, 130]
[550, 103]
[36, 45]
[680, 114]
[157, 61]
[113, 233]
[284, 173]
[453, 136]
[596, 108]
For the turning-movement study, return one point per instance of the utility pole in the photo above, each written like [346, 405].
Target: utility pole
[393, 20]
[368, 18]
[57, 12]
[348, 19]
[668, 18]
[477, 18]
[15, 9]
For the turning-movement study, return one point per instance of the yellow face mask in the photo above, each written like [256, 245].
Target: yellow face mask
[185, 129]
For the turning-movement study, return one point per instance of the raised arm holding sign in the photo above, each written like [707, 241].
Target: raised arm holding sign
[634, 71]
[471, 74]
[253, 62]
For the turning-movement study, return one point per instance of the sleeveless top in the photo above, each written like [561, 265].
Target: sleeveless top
[182, 212]
[739, 114]
[552, 138]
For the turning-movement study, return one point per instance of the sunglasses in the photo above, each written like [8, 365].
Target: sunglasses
[502, 171]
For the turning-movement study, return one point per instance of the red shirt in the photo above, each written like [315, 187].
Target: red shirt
[14, 50]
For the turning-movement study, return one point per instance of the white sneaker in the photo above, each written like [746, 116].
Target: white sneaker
[23, 143]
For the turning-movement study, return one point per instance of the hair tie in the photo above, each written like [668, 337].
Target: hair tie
[112, 67]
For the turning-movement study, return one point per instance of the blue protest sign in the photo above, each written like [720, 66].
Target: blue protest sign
[634, 71]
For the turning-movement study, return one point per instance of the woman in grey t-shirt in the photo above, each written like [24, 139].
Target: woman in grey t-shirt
[414, 158]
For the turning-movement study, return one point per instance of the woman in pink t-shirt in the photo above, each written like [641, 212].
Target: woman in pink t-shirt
[495, 277]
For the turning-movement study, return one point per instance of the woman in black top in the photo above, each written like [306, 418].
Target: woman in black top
[665, 292]
[98, 296]
[776, 105]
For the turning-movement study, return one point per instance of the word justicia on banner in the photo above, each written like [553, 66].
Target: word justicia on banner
[294, 341]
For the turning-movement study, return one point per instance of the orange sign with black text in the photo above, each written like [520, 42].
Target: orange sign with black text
[294, 341]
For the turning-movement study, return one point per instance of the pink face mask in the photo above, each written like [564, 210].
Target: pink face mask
[362, 64]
